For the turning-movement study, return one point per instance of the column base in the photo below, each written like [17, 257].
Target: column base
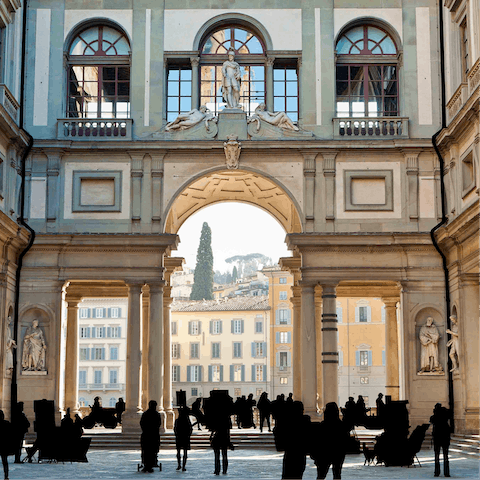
[170, 419]
[131, 423]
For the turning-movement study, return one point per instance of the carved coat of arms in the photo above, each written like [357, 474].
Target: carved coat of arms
[232, 151]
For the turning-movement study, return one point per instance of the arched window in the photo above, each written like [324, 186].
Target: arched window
[82, 402]
[366, 73]
[99, 74]
[112, 402]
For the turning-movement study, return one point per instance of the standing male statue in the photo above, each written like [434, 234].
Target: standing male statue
[34, 347]
[429, 337]
[232, 81]
[453, 343]
[9, 346]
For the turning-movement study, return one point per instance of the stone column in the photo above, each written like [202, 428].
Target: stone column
[309, 351]
[155, 346]
[269, 83]
[329, 344]
[167, 355]
[391, 346]
[131, 419]
[297, 342]
[145, 329]
[195, 61]
[318, 331]
[71, 355]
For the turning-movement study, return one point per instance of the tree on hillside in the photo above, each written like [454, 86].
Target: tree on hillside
[234, 274]
[203, 275]
[249, 264]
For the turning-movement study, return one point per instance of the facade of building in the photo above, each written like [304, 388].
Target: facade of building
[352, 177]
[102, 350]
[182, 283]
[221, 344]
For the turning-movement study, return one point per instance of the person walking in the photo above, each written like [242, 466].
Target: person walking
[183, 430]
[6, 447]
[20, 425]
[220, 442]
[119, 409]
[264, 408]
[329, 442]
[441, 437]
[150, 438]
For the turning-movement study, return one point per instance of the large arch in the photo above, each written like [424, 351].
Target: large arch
[244, 186]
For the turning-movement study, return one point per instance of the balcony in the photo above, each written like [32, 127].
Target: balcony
[98, 129]
[101, 386]
[8, 102]
[370, 128]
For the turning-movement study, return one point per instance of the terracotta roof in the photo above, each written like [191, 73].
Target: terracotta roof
[222, 305]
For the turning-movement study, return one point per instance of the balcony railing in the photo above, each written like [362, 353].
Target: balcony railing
[369, 127]
[8, 102]
[98, 129]
[101, 386]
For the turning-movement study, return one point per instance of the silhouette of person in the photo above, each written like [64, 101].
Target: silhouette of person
[78, 426]
[150, 438]
[66, 424]
[20, 425]
[380, 407]
[197, 412]
[441, 437]
[183, 430]
[361, 411]
[329, 442]
[264, 408]
[238, 412]
[220, 442]
[96, 409]
[279, 413]
[296, 442]
[119, 409]
[5, 442]
[249, 404]
[290, 398]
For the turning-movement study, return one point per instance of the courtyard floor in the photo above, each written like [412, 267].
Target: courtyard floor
[243, 463]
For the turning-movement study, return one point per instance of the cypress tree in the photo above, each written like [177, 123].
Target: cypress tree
[203, 275]
[234, 274]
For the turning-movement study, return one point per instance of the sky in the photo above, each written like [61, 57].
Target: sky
[237, 229]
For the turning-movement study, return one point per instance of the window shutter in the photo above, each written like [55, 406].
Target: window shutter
[357, 319]
[103, 332]
[233, 325]
[178, 373]
[109, 314]
[109, 332]
[289, 359]
[87, 353]
[264, 349]
[253, 350]
[383, 357]
[200, 373]
[88, 332]
[94, 313]
[210, 373]
[93, 332]
[92, 355]
[179, 349]
[289, 337]
[221, 373]
[369, 358]
[199, 327]
[339, 315]
[119, 312]
[120, 332]
[264, 373]
[340, 358]
[369, 314]
[231, 373]
[221, 326]
[243, 373]
[277, 337]
[189, 328]
[89, 315]
[277, 317]
[189, 373]
[357, 358]
[211, 327]
[103, 354]
[277, 359]
[104, 312]
[243, 327]
[289, 317]
[253, 373]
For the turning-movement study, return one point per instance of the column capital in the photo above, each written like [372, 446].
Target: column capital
[390, 301]
[156, 287]
[134, 286]
[329, 289]
[73, 300]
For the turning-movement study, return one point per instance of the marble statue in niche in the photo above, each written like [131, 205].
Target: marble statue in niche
[10, 345]
[231, 81]
[191, 118]
[279, 119]
[453, 343]
[429, 337]
[34, 349]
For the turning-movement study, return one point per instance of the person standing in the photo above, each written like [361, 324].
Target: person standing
[150, 438]
[264, 408]
[6, 447]
[183, 430]
[441, 437]
[119, 409]
[20, 425]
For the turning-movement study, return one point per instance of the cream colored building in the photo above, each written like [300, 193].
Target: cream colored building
[182, 283]
[221, 344]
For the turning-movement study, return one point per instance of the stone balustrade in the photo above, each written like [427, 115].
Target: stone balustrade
[101, 386]
[370, 127]
[458, 99]
[474, 77]
[83, 129]
[8, 102]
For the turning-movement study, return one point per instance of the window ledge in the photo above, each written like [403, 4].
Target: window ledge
[370, 127]
[98, 129]
[458, 99]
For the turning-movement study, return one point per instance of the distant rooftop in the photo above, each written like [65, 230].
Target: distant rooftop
[226, 304]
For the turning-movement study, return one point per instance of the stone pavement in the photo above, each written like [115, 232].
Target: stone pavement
[244, 463]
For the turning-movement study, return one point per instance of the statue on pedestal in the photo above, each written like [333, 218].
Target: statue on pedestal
[453, 343]
[231, 81]
[429, 337]
[279, 119]
[34, 348]
[11, 344]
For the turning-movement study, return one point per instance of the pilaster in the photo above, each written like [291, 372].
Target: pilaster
[136, 174]
[329, 172]
[392, 387]
[318, 330]
[329, 343]
[309, 172]
[411, 158]
[269, 78]
[296, 301]
[195, 62]
[53, 172]
[157, 179]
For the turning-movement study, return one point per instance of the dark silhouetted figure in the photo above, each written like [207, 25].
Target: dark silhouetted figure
[265, 409]
[290, 398]
[197, 412]
[349, 413]
[361, 412]
[237, 407]
[6, 447]
[183, 430]
[150, 439]
[20, 425]
[330, 440]
[380, 408]
[119, 409]
[441, 437]
[280, 414]
[249, 404]
[296, 441]
[78, 426]
[66, 424]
